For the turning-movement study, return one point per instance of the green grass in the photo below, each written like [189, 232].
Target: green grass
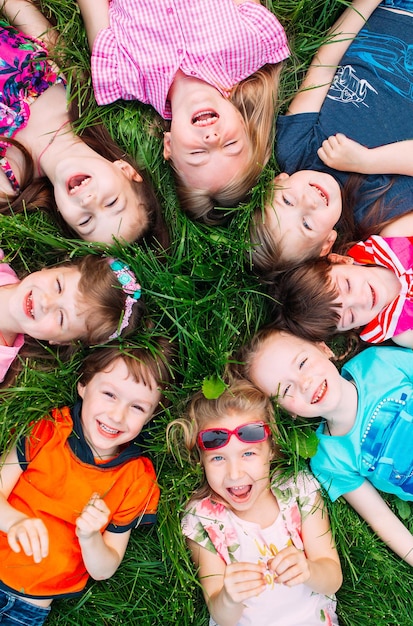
[204, 297]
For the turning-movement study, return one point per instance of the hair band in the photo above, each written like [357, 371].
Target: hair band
[130, 287]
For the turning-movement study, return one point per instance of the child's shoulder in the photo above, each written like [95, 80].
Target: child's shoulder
[301, 487]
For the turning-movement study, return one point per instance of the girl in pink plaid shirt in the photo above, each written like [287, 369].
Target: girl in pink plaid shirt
[213, 73]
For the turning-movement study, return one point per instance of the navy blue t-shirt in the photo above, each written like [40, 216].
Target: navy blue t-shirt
[370, 101]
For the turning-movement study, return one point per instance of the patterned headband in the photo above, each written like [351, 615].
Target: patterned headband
[127, 280]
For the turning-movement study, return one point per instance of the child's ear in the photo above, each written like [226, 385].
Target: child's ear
[167, 146]
[333, 257]
[281, 177]
[325, 349]
[80, 390]
[128, 170]
[328, 244]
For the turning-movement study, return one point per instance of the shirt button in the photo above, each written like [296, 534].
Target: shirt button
[193, 73]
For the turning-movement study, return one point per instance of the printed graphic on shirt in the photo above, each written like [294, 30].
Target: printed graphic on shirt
[388, 57]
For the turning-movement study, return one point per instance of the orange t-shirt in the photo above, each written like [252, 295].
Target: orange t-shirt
[55, 486]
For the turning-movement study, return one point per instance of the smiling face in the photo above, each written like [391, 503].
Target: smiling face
[96, 198]
[298, 373]
[303, 211]
[46, 305]
[208, 143]
[363, 291]
[239, 472]
[115, 408]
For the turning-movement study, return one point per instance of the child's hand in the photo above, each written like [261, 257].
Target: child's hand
[344, 154]
[94, 516]
[290, 567]
[31, 535]
[243, 581]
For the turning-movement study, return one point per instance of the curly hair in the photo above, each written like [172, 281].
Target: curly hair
[240, 398]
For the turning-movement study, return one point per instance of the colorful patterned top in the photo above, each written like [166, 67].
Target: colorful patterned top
[395, 253]
[25, 74]
[147, 42]
[217, 529]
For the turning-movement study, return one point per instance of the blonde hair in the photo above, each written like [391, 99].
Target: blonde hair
[240, 397]
[255, 98]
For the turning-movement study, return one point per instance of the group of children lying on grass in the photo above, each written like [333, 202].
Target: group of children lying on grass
[75, 485]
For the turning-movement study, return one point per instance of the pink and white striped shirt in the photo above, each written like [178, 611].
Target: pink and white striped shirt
[148, 41]
[395, 253]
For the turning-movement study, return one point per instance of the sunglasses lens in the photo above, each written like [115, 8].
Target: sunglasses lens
[214, 439]
[252, 432]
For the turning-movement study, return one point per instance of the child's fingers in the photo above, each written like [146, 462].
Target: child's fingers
[93, 517]
[244, 580]
[31, 536]
[290, 566]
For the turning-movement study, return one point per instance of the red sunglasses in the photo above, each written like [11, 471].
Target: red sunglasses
[213, 438]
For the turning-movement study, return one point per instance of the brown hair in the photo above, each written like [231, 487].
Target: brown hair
[144, 363]
[38, 193]
[255, 97]
[303, 301]
[240, 397]
[101, 291]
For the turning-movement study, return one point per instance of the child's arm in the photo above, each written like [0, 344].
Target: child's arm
[319, 565]
[368, 503]
[400, 227]
[225, 587]
[29, 534]
[25, 16]
[95, 14]
[321, 72]
[102, 554]
[404, 339]
[346, 155]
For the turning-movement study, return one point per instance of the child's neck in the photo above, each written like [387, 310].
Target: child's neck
[341, 419]
[8, 327]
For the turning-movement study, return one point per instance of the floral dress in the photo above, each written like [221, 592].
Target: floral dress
[219, 530]
[25, 73]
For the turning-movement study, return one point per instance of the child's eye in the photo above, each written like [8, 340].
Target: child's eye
[109, 204]
[85, 221]
[287, 202]
[305, 224]
[348, 285]
[249, 453]
[302, 363]
[61, 319]
[286, 390]
[59, 285]
[197, 152]
[217, 458]
[138, 407]
[109, 394]
[230, 143]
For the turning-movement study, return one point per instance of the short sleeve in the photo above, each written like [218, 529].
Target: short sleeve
[140, 502]
[297, 142]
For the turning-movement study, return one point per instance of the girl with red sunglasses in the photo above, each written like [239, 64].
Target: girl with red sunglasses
[262, 543]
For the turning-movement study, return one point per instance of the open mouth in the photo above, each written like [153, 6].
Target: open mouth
[28, 306]
[204, 118]
[321, 193]
[77, 182]
[320, 393]
[110, 432]
[240, 493]
[373, 297]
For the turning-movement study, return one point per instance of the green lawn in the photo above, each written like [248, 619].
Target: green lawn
[205, 298]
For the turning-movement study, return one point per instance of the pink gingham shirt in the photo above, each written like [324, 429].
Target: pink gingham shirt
[396, 254]
[148, 41]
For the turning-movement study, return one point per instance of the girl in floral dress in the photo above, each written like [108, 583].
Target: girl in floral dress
[261, 543]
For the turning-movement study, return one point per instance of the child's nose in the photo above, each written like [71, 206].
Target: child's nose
[234, 471]
[305, 383]
[212, 137]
